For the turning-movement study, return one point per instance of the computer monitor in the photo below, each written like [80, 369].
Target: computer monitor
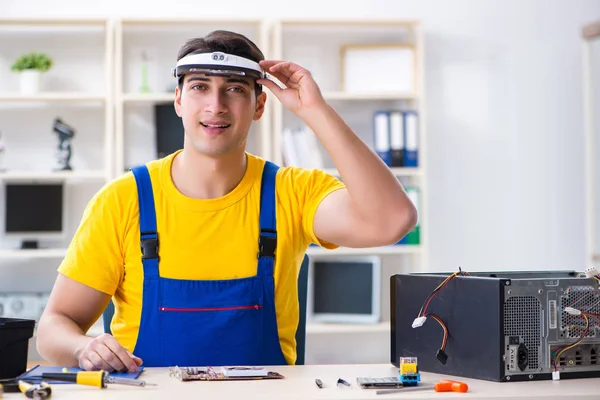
[34, 211]
[169, 130]
[344, 289]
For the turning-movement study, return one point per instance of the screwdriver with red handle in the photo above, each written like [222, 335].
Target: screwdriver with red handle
[445, 385]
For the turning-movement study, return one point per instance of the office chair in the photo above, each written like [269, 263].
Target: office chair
[300, 332]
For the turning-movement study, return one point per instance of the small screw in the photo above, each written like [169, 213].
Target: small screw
[530, 376]
[508, 378]
[540, 291]
[509, 291]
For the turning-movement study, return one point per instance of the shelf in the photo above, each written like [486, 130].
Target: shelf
[324, 328]
[336, 22]
[33, 253]
[50, 97]
[368, 96]
[52, 176]
[147, 97]
[395, 170]
[344, 251]
[52, 21]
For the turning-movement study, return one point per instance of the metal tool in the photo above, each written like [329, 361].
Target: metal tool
[35, 391]
[93, 378]
[442, 386]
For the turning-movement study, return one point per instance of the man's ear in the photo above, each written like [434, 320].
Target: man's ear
[260, 106]
[178, 101]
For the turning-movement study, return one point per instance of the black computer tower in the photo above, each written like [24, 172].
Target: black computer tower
[504, 326]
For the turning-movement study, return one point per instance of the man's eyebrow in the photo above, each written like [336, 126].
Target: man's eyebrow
[198, 78]
[238, 80]
[229, 80]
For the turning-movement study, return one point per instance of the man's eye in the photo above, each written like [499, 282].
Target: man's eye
[197, 87]
[237, 89]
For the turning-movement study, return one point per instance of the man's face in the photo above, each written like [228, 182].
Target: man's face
[217, 111]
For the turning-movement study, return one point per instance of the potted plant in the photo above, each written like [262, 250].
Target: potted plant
[30, 67]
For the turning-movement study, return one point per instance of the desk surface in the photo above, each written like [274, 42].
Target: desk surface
[299, 383]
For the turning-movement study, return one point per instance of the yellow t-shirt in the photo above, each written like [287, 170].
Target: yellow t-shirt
[199, 239]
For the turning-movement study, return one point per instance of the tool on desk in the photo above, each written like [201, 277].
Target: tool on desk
[376, 383]
[319, 383]
[93, 378]
[442, 386]
[342, 382]
[35, 391]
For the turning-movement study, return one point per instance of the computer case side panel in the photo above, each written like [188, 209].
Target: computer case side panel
[471, 309]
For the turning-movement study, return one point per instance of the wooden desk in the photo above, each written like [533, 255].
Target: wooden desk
[300, 384]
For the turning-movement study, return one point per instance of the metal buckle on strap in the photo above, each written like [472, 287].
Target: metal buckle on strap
[149, 246]
[267, 244]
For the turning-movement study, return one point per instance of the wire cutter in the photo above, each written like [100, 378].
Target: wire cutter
[41, 390]
[36, 391]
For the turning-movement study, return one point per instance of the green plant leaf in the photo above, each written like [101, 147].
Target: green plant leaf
[39, 61]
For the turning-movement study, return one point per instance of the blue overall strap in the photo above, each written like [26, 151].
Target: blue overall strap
[148, 234]
[267, 241]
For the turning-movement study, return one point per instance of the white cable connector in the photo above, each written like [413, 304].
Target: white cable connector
[572, 311]
[419, 322]
[556, 375]
[590, 272]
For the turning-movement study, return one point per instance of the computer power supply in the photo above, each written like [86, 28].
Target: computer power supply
[498, 326]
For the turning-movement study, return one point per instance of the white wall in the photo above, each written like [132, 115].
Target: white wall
[505, 118]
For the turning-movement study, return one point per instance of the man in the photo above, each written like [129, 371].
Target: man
[228, 229]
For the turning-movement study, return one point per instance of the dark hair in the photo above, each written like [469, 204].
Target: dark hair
[225, 41]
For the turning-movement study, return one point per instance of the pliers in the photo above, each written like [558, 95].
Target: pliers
[35, 391]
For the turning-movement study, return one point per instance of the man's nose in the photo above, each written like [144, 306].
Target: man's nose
[216, 102]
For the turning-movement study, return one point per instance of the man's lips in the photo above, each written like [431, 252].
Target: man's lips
[221, 125]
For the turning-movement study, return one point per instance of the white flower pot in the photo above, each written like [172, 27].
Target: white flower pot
[30, 81]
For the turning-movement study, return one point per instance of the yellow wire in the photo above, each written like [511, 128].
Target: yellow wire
[587, 325]
[443, 327]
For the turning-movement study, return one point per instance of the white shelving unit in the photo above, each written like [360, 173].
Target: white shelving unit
[94, 86]
[33, 253]
[591, 87]
[346, 251]
[160, 40]
[324, 329]
[316, 45]
[78, 89]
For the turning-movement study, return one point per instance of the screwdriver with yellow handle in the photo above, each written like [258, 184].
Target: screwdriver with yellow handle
[92, 378]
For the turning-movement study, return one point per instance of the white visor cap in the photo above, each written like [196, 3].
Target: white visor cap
[217, 63]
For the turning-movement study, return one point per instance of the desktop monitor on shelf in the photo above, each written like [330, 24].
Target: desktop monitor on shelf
[169, 130]
[34, 212]
[344, 289]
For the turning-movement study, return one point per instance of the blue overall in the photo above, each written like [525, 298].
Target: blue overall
[208, 322]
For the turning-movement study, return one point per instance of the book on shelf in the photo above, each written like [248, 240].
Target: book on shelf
[301, 148]
[396, 137]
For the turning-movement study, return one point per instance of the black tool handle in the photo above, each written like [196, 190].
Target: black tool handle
[60, 376]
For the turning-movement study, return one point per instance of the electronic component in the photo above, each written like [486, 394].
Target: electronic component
[409, 372]
[384, 382]
[221, 373]
[504, 326]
